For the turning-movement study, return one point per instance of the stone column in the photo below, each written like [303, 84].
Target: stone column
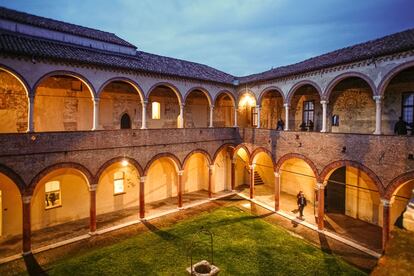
[277, 191]
[92, 208]
[258, 108]
[180, 189]
[286, 116]
[378, 115]
[210, 181]
[211, 115]
[386, 205]
[181, 122]
[31, 115]
[27, 225]
[142, 197]
[324, 115]
[233, 174]
[95, 114]
[321, 205]
[251, 181]
[144, 115]
[235, 117]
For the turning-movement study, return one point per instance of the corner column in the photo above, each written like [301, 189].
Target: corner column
[210, 181]
[181, 122]
[233, 174]
[142, 197]
[277, 191]
[324, 114]
[286, 105]
[92, 209]
[258, 115]
[31, 114]
[211, 115]
[386, 206]
[251, 181]
[144, 115]
[235, 117]
[27, 226]
[180, 189]
[321, 205]
[95, 114]
[378, 114]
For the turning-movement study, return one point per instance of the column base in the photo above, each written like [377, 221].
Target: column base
[377, 133]
[143, 128]
[93, 233]
[27, 253]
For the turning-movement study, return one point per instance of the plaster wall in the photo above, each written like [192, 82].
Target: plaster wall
[11, 208]
[161, 181]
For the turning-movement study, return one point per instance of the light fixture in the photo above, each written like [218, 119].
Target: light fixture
[247, 100]
[124, 163]
[156, 110]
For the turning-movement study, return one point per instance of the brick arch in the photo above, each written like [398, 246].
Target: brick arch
[169, 85]
[298, 85]
[201, 151]
[115, 160]
[262, 150]
[226, 145]
[205, 92]
[228, 93]
[168, 155]
[268, 90]
[134, 84]
[66, 73]
[64, 165]
[341, 163]
[332, 84]
[242, 146]
[19, 77]
[288, 156]
[397, 183]
[390, 75]
[13, 176]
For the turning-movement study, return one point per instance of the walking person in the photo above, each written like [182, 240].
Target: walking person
[301, 203]
[280, 124]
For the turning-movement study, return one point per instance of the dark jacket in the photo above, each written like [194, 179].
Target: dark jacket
[400, 128]
[302, 201]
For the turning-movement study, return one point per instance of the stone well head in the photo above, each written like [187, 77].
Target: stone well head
[203, 268]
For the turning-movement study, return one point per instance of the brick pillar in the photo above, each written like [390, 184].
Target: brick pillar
[31, 115]
[27, 226]
[233, 174]
[210, 180]
[321, 205]
[92, 208]
[142, 197]
[180, 189]
[144, 115]
[277, 191]
[251, 181]
[386, 205]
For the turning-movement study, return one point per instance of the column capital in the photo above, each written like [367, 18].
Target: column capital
[96, 99]
[142, 179]
[182, 105]
[252, 166]
[286, 105]
[385, 203]
[377, 98]
[211, 167]
[181, 172]
[258, 106]
[93, 187]
[320, 186]
[324, 102]
[233, 160]
[26, 199]
[212, 106]
[144, 103]
[31, 99]
[277, 174]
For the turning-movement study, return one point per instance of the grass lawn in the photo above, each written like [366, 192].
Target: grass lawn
[243, 245]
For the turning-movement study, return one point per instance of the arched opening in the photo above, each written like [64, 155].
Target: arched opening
[242, 169]
[60, 203]
[352, 205]
[222, 171]
[196, 110]
[63, 103]
[402, 216]
[117, 194]
[223, 111]
[272, 109]
[161, 186]
[169, 108]
[125, 121]
[247, 111]
[264, 178]
[119, 99]
[297, 175]
[351, 107]
[305, 113]
[195, 178]
[10, 217]
[13, 104]
[399, 102]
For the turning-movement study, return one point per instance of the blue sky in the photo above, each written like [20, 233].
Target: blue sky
[238, 37]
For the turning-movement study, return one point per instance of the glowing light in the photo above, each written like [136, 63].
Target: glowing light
[124, 163]
[247, 100]
[156, 110]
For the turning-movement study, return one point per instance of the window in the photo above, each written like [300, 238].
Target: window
[254, 116]
[308, 112]
[118, 183]
[156, 110]
[52, 194]
[125, 121]
[408, 107]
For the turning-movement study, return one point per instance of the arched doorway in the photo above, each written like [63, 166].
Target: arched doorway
[13, 104]
[163, 108]
[264, 178]
[241, 159]
[120, 106]
[196, 110]
[223, 111]
[195, 178]
[335, 192]
[305, 113]
[400, 216]
[271, 109]
[63, 103]
[222, 171]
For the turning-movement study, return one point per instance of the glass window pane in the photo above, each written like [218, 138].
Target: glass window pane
[118, 186]
[408, 99]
